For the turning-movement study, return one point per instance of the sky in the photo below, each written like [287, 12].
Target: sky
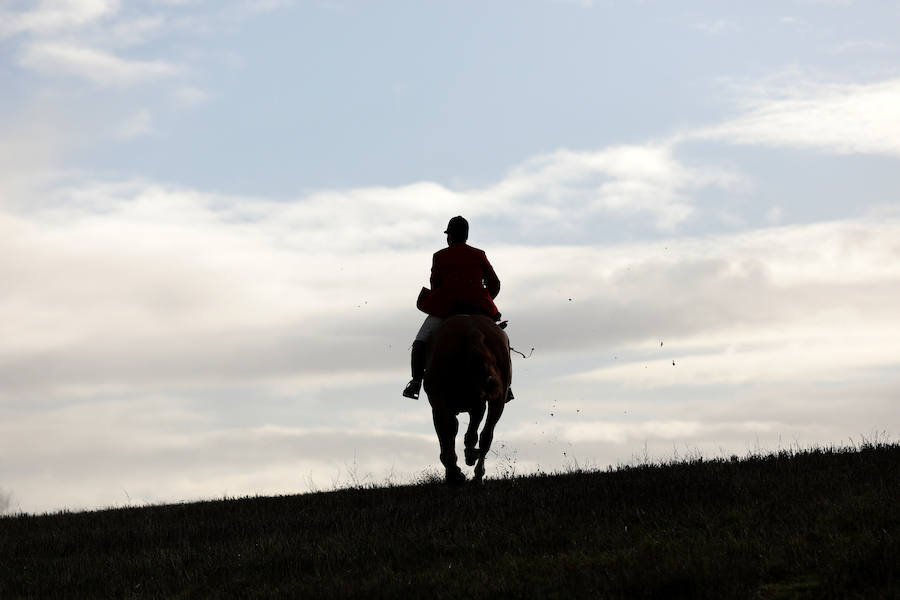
[215, 217]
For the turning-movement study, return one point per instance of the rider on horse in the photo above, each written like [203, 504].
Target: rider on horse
[462, 282]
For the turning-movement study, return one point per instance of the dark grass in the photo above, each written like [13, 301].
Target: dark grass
[821, 523]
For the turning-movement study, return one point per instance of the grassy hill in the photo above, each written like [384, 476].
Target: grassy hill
[811, 524]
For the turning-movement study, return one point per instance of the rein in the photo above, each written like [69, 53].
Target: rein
[511, 349]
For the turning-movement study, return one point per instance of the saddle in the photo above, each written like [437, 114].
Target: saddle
[471, 309]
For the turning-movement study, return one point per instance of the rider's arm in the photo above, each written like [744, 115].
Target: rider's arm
[435, 274]
[491, 281]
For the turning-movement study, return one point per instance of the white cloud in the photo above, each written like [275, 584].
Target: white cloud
[627, 181]
[92, 64]
[811, 303]
[127, 305]
[154, 449]
[839, 118]
[141, 264]
[51, 16]
[108, 278]
[152, 298]
[828, 347]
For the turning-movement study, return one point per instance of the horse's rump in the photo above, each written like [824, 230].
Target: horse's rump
[468, 363]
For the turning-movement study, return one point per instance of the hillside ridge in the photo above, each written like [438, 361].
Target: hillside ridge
[794, 524]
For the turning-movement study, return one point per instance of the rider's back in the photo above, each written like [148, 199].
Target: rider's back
[462, 280]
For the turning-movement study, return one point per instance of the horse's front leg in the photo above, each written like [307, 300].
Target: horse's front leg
[471, 437]
[487, 434]
[446, 425]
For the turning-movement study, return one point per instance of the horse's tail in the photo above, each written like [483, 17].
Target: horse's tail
[483, 366]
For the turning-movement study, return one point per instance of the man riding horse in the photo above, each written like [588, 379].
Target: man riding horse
[462, 282]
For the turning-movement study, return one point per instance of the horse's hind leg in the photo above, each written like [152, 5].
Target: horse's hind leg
[471, 437]
[487, 435]
[446, 425]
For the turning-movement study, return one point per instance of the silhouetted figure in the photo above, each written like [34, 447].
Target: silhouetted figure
[462, 282]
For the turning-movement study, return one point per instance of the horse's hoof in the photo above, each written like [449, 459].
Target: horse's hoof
[471, 456]
[455, 476]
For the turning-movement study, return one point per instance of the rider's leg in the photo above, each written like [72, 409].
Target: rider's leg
[419, 355]
[502, 325]
[417, 367]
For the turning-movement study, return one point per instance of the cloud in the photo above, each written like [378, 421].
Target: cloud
[184, 343]
[813, 349]
[150, 320]
[609, 428]
[52, 16]
[161, 316]
[141, 267]
[92, 64]
[109, 276]
[708, 293]
[84, 38]
[154, 449]
[836, 118]
[626, 181]
[133, 284]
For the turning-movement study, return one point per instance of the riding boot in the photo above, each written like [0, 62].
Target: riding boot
[417, 366]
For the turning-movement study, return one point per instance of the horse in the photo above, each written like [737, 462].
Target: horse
[468, 369]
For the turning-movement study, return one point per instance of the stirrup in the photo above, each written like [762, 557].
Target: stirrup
[412, 389]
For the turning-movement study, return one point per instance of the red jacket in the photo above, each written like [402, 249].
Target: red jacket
[462, 281]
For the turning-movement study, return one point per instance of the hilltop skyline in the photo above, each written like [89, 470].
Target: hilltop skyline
[215, 218]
